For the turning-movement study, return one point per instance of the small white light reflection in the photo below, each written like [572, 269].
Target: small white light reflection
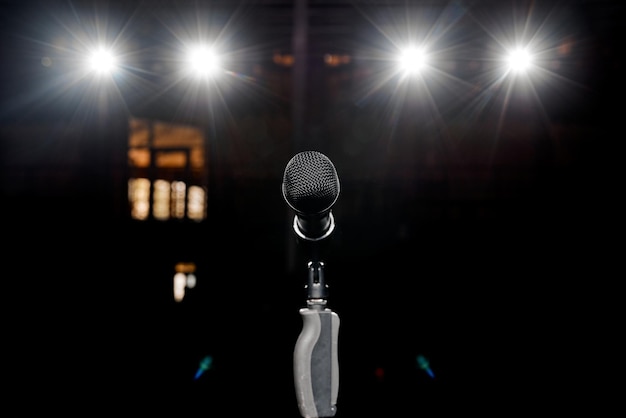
[180, 282]
[184, 278]
[191, 281]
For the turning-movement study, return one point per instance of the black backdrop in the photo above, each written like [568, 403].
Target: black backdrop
[501, 274]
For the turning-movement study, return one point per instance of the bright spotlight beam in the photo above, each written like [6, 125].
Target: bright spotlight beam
[519, 60]
[412, 60]
[102, 61]
[203, 61]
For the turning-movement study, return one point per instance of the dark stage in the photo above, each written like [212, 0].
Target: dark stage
[476, 222]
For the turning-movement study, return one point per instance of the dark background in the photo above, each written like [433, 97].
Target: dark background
[478, 229]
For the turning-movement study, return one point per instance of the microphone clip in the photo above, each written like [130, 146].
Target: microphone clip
[317, 290]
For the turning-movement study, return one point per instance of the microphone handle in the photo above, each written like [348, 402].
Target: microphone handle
[316, 365]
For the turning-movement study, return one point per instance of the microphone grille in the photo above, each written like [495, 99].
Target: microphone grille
[310, 183]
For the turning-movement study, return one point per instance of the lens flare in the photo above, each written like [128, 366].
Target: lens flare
[205, 364]
[424, 364]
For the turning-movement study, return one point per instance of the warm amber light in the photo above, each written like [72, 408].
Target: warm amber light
[285, 60]
[185, 267]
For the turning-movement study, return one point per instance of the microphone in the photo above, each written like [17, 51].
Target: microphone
[311, 187]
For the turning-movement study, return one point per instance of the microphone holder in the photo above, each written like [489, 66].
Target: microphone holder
[317, 290]
[316, 366]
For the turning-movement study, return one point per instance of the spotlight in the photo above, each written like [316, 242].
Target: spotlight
[412, 60]
[102, 61]
[203, 61]
[519, 60]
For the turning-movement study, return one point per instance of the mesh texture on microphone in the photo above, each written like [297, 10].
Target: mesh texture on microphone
[310, 183]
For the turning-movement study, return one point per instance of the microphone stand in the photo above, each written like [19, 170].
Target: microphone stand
[316, 366]
[311, 187]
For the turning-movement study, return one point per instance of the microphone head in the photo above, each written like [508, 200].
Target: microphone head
[310, 183]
